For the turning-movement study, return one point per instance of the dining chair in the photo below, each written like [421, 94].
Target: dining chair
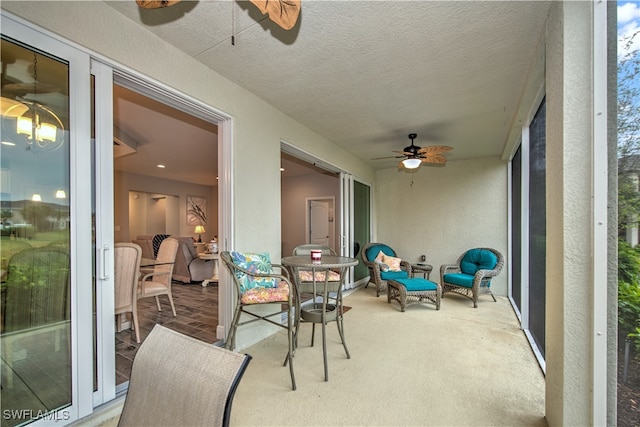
[158, 282]
[177, 380]
[127, 272]
[257, 283]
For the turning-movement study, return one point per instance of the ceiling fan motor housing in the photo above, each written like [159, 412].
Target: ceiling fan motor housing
[413, 149]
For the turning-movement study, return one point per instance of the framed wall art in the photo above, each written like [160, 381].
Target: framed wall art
[196, 210]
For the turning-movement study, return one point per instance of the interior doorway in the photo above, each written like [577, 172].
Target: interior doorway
[155, 173]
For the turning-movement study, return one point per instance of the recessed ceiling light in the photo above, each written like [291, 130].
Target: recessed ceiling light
[161, 166]
[10, 144]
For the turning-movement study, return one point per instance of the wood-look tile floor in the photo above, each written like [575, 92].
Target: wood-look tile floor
[196, 316]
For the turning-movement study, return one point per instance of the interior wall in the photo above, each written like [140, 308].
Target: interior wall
[441, 212]
[295, 192]
[124, 183]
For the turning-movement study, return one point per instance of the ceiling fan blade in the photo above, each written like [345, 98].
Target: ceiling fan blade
[156, 4]
[283, 12]
[434, 149]
[436, 159]
[387, 157]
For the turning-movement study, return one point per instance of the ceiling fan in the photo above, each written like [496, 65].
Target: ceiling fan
[283, 12]
[414, 156]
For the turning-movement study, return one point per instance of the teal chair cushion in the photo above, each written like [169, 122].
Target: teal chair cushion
[394, 275]
[417, 284]
[477, 259]
[373, 251]
[462, 279]
[459, 279]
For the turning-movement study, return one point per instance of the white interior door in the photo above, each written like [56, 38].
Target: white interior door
[319, 233]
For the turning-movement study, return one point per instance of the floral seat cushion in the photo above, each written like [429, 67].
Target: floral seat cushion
[265, 295]
[307, 276]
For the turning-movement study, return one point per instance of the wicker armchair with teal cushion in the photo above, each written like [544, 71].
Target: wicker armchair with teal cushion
[383, 265]
[473, 271]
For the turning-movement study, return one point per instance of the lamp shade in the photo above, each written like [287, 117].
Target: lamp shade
[411, 163]
[199, 229]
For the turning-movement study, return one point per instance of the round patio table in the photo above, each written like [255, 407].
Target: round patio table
[321, 312]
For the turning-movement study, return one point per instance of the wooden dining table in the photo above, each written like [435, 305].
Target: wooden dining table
[321, 312]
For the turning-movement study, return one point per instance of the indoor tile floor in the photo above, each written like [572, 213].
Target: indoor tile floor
[196, 316]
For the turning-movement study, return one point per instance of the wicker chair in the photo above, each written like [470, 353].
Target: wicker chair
[305, 279]
[473, 271]
[376, 275]
[256, 283]
[177, 380]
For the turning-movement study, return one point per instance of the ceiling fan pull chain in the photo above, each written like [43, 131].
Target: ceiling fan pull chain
[233, 24]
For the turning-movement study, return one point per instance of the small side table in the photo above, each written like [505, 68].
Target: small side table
[210, 257]
[421, 268]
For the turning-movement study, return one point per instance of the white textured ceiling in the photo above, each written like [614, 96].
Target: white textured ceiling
[365, 74]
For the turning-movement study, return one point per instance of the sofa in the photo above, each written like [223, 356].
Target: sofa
[188, 267]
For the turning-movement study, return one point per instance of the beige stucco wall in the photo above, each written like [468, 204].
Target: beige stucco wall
[445, 211]
[570, 298]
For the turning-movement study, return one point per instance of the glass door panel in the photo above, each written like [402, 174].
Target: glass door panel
[35, 236]
[361, 224]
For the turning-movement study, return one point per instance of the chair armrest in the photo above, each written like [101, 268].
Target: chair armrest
[406, 266]
[483, 274]
[284, 271]
[146, 276]
[449, 268]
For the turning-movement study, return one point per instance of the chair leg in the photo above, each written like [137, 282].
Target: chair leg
[136, 327]
[230, 343]
[340, 323]
[291, 339]
[158, 303]
[173, 307]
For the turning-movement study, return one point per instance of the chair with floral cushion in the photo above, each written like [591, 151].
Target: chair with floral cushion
[383, 265]
[305, 279]
[257, 283]
[473, 271]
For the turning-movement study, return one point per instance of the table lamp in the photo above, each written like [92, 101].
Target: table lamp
[199, 230]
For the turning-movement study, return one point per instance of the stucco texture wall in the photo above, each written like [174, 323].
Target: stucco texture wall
[445, 211]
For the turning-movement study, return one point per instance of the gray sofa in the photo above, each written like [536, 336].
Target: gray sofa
[188, 267]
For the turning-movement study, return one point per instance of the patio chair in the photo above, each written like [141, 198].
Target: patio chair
[379, 274]
[158, 282]
[256, 283]
[127, 272]
[177, 380]
[473, 271]
[305, 277]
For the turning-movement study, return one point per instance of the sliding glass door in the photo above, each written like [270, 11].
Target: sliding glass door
[46, 343]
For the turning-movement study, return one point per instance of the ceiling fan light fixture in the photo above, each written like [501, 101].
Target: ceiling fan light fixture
[411, 163]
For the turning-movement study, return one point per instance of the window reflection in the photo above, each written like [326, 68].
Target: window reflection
[34, 234]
